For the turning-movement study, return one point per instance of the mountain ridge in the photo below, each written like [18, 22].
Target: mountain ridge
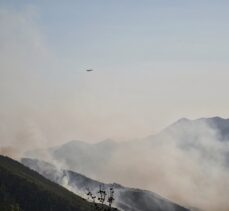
[125, 198]
[26, 190]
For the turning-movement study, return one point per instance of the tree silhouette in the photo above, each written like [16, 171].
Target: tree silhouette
[111, 197]
[101, 196]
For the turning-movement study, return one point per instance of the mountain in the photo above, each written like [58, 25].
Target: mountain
[186, 134]
[198, 127]
[220, 124]
[22, 189]
[74, 153]
[128, 199]
[198, 135]
[179, 162]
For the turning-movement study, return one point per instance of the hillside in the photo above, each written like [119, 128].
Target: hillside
[22, 189]
[187, 162]
[127, 199]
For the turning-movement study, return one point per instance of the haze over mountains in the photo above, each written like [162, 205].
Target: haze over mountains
[154, 62]
[187, 162]
[127, 199]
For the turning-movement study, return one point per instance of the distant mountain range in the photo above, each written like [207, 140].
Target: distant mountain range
[196, 149]
[127, 199]
[186, 133]
[22, 189]
[192, 128]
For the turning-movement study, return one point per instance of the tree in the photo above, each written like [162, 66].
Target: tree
[101, 196]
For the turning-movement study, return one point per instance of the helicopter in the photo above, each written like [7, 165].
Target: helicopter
[89, 70]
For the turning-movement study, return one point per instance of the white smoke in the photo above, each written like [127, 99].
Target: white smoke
[186, 163]
[189, 170]
[183, 168]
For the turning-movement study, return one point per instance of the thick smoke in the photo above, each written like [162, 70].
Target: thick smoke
[8, 151]
[186, 163]
[190, 170]
[22, 53]
[18, 136]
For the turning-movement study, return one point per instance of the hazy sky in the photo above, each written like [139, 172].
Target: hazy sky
[155, 61]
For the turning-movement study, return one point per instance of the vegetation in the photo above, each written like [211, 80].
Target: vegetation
[22, 189]
[101, 196]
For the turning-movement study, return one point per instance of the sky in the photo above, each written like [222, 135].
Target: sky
[154, 61]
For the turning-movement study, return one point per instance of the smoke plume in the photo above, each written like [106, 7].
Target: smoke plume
[186, 163]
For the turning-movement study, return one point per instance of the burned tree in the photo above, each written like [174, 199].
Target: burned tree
[111, 197]
[102, 197]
